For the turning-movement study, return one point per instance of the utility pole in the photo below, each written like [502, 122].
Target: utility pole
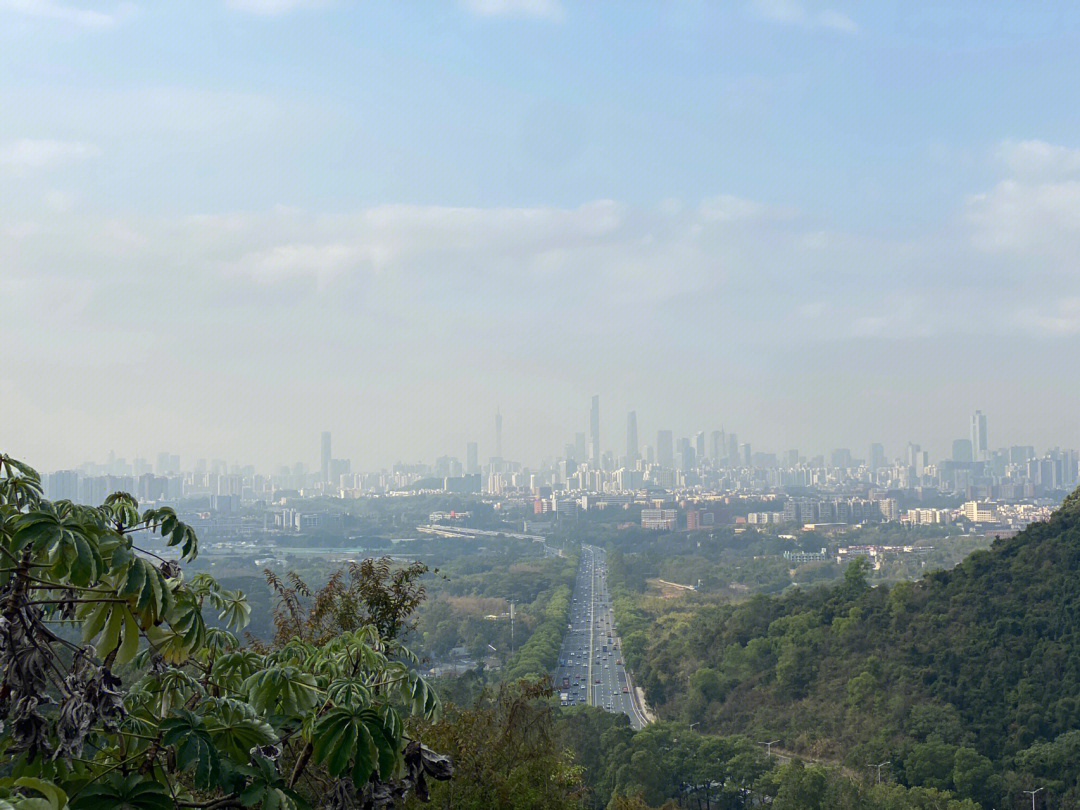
[1032, 793]
[879, 766]
[768, 746]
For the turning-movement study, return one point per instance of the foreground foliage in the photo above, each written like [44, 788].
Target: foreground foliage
[116, 693]
[514, 748]
[968, 680]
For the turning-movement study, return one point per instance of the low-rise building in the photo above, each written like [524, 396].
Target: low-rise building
[659, 519]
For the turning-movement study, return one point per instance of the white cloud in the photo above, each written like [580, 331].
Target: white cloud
[727, 208]
[1059, 319]
[551, 10]
[273, 8]
[782, 11]
[793, 12]
[27, 154]
[1015, 216]
[1035, 211]
[837, 21]
[71, 15]
[324, 262]
[60, 200]
[399, 306]
[1037, 159]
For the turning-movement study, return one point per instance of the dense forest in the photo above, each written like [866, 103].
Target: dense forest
[966, 680]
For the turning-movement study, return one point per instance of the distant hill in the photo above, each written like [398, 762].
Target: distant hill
[968, 679]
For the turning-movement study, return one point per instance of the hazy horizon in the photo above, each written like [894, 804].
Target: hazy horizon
[228, 226]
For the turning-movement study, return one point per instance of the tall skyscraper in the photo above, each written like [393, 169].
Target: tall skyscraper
[961, 451]
[580, 449]
[665, 452]
[498, 434]
[716, 447]
[594, 432]
[631, 437]
[699, 445]
[978, 437]
[877, 456]
[472, 459]
[684, 455]
[326, 455]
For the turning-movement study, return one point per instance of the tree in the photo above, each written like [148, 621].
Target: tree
[506, 753]
[371, 592]
[201, 721]
[801, 788]
[973, 775]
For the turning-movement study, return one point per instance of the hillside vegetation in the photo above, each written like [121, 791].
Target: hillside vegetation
[967, 680]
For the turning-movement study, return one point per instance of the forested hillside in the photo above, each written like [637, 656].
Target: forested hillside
[966, 680]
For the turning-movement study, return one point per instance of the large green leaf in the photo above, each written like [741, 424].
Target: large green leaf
[235, 727]
[281, 689]
[175, 531]
[349, 692]
[231, 669]
[354, 740]
[123, 509]
[145, 584]
[115, 627]
[133, 792]
[195, 749]
[186, 629]
[54, 797]
[267, 788]
[62, 542]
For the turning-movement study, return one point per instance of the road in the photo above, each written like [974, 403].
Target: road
[590, 666]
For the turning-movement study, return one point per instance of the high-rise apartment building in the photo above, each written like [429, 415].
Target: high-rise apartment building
[580, 449]
[325, 467]
[961, 451]
[665, 452]
[877, 456]
[631, 438]
[594, 432]
[978, 437]
[716, 447]
[62, 485]
[498, 435]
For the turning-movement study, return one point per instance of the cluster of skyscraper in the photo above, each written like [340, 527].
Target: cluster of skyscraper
[713, 462]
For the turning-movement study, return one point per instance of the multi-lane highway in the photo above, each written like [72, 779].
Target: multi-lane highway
[590, 666]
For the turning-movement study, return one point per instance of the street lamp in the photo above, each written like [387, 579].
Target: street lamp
[768, 746]
[1032, 793]
[879, 766]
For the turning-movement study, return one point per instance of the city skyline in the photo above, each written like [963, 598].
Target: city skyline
[220, 233]
[710, 445]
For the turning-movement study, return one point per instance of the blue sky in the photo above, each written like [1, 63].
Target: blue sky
[819, 224]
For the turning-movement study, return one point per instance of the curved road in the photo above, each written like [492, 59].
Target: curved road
[590, 666]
